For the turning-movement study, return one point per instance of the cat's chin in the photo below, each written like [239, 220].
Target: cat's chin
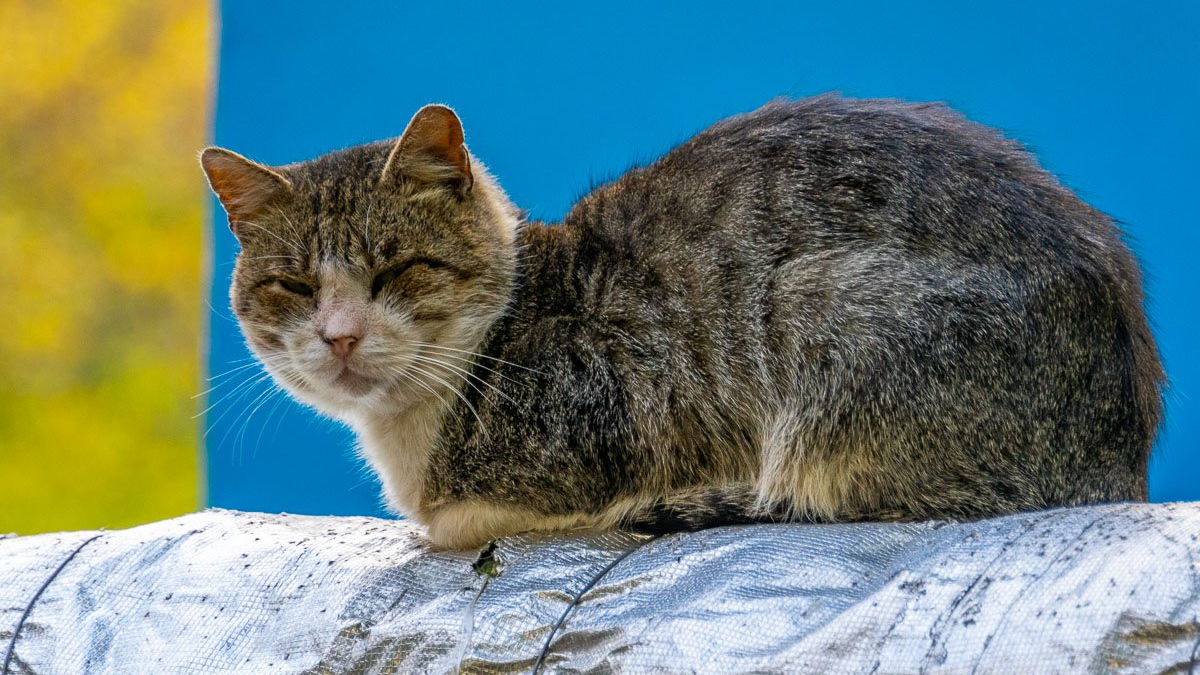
[354, 398]
[354, 384]
[345, 394]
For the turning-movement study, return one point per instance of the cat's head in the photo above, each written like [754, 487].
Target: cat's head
[365, 275]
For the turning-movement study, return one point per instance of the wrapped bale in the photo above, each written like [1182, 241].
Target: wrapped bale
[1105, 589]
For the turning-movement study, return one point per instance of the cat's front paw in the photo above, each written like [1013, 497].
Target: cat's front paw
[468, 525]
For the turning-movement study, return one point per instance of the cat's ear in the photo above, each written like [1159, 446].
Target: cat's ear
[244, 187]
[431, 150]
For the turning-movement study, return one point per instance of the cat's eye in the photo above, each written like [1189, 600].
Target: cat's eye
[295, 287]
[385, 277]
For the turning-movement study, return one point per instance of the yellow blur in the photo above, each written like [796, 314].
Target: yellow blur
[103, 107]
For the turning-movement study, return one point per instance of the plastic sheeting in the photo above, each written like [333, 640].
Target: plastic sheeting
[1108, 589]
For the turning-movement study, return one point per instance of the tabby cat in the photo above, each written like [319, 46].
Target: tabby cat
[823, 310]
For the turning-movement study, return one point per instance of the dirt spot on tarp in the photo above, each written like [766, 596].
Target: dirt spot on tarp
[1137, 645]
[1161, 633]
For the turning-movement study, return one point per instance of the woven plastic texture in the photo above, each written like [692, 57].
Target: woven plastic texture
[1108, 589]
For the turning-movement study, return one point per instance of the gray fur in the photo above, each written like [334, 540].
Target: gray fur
[827, 309]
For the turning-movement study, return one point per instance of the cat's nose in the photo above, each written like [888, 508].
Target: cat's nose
[341, 345]
[342, 328]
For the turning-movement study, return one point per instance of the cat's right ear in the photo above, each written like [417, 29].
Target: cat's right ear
[244, 187]
[431, 150]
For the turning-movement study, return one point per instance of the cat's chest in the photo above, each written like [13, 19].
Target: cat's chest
[399, 447]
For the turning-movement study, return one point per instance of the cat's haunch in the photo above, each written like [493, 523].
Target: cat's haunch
[823, 310]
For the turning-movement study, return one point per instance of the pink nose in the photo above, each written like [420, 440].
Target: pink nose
[342, 345]
[341, 328]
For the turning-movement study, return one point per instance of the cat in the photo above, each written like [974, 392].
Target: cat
[824, 310]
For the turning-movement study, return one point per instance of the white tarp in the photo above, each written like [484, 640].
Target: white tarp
[1108, 589]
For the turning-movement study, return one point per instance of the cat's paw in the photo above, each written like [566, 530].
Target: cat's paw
[469, 525]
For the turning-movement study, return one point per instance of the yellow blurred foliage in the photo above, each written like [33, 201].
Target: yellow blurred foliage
[103, 107]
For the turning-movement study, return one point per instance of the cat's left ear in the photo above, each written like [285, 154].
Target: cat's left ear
[431, 150]
[244, 186]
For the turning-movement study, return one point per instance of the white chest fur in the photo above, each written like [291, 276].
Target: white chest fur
[397, 447]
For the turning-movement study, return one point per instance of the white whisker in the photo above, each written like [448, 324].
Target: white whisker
[477, 364]
[228, 373]
[475, 354]
[285, 242]
[453, 390]
[270, 413]
[217, 312]
[271, 257]
[245, 388]
[240, 439]
[251, 379]
[367, 230]
[467, 376]
[263, 397]
[409, 377]
[301, 244]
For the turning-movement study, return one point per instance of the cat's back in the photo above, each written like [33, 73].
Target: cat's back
[887, 265]
[857, 187]
[833, 170]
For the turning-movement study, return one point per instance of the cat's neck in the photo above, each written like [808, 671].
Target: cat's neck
[398, 446]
